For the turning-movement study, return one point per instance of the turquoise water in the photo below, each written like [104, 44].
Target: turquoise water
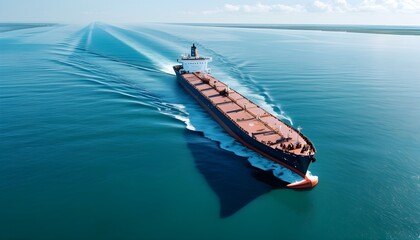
[97, 140]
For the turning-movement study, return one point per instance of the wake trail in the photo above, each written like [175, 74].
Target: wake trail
[130, 38]
[73, 57]
[85, 54]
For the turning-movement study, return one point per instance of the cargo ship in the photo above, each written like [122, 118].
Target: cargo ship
[244, 120]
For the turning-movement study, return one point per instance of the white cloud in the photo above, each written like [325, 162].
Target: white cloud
[257, 8]
[286, 8]
[232, 8]
[323, 6]
[333, 6]
[263, 8]
[329, 6]
[373, 6]
[343, 6]
[399, 6]
[209, 12]
[392, 3]
[406, 5]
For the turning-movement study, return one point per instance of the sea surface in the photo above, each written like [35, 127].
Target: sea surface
[99, 141]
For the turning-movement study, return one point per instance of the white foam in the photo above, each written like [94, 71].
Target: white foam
[167, 68]
[185, 117]
[176, 111]
[313, 178]
[212, 130]
[89, 38]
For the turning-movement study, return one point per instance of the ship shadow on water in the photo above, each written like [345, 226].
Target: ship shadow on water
[231, 177]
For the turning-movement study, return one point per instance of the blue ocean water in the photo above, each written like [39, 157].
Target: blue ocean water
[97, 139]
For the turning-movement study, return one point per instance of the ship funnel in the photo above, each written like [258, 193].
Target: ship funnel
[194, 52]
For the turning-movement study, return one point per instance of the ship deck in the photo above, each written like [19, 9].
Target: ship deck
[249, 117]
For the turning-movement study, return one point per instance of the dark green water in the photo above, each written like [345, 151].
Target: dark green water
[97, 140]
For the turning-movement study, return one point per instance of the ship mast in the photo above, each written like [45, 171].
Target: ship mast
[194, 52]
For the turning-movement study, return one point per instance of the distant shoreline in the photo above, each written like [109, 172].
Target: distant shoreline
[392, 30]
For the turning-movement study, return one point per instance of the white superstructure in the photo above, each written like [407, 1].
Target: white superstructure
[194, 63]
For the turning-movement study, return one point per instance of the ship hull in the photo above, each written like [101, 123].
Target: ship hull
[297, 163]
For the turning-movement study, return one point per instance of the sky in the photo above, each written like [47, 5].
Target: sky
[365, 12]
